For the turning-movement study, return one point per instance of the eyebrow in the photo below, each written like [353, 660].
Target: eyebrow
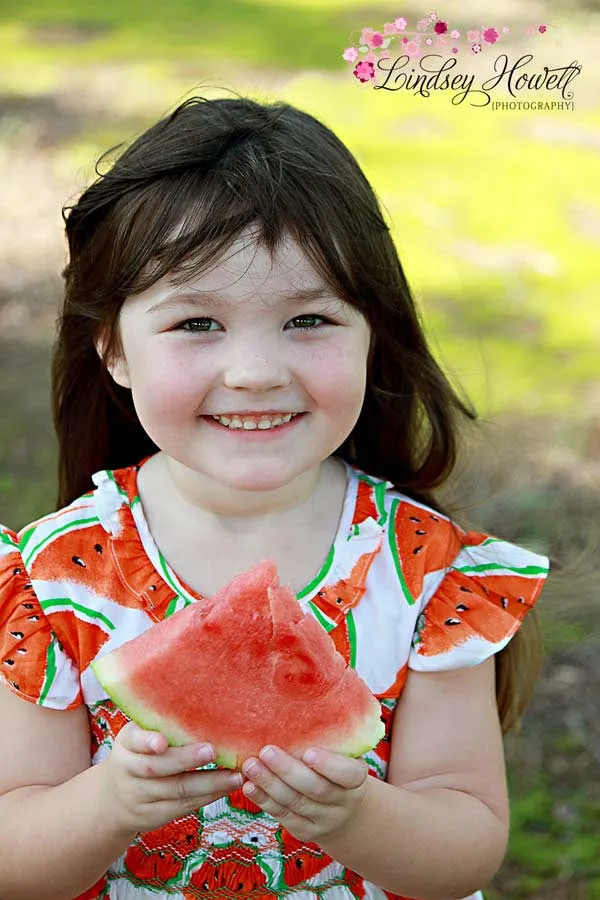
[213, 300]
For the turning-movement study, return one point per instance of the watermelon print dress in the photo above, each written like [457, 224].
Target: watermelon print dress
[402, 587]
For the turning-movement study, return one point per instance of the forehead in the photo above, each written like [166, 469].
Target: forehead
[244, 271]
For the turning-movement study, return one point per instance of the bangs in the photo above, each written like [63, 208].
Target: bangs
[183, 223]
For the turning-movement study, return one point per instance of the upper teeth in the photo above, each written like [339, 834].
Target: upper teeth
[251, 423]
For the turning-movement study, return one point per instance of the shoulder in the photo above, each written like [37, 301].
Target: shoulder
[83, 524]
[418, 539]
[427, 546]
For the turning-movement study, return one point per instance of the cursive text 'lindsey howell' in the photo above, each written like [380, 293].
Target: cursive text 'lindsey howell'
[435, 77]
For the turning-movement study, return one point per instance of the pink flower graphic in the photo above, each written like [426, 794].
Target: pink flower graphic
[433, 17]
[377, 39]
[476, 48]
[542, 29]
[530, 31]
[405, 40]
[364, 71]
[389, 28]
[490, 35]
[455, 34]
[350, 54]
[506, 29]
[440, 28]
[429, 42]
[455, 49]
[366, 35]
[413, 48]
[422, 24]
[472, 36]
[400, 23]
[442, 42]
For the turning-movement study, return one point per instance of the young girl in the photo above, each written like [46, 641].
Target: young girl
[240, 374]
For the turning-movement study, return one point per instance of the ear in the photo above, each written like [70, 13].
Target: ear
[116, 363]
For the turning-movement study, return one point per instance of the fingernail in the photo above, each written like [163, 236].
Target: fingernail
[205, 752]
[153, 743]
[310, 757]
[236, 779]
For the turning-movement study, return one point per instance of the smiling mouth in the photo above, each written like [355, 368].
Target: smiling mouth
[254, 423]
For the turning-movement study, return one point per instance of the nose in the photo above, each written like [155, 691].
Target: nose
[256, 369]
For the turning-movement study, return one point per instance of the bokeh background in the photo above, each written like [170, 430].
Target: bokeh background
[496, 216]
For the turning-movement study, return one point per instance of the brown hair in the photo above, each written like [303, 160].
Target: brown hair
[218, 167]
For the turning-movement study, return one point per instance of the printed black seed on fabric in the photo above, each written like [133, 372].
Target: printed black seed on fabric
[28, 605]
[17, 571]
[98, 548]
[415, 519]
[466, 590]
[462, 608]
[417, 550]
[78, 561]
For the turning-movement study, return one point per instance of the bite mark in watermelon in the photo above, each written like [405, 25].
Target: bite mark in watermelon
[241, 670]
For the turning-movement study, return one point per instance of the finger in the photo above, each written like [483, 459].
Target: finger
[174, 761]
[286, 779]
[341, 770]
[139, 740]
[193, 790]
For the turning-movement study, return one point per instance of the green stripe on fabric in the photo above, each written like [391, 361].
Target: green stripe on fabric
[120, 490]
[171, 608]
[394, 550]
[66, 601]
[50, 674]
[5, 538]
[351, 637]
[519, 570]
[53, 534]
[326, 623]
[368, 480]
[167, 575]
[375, 765]
[322, 574]
[380, 490]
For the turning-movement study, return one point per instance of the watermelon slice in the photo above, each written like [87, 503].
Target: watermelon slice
[240, 670]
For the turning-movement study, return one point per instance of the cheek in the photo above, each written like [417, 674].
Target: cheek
[339, 375]
[164, 385]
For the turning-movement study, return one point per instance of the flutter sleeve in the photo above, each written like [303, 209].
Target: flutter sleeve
[33, 663]
[475, 606]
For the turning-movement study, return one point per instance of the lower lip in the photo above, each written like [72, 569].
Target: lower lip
[256, 434]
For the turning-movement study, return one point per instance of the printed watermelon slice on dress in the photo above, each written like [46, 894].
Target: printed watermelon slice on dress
[26, 639]
[241, 670]
[423, 542]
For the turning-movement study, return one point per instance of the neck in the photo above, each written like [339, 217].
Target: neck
[208, 503]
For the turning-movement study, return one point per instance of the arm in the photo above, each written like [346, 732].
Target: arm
[439, 828]
[51, 831]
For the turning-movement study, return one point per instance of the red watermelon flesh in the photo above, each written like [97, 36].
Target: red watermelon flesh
[241, 670]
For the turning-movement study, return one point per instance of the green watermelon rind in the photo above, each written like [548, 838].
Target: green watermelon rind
[106, 669]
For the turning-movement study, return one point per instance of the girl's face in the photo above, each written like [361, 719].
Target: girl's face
[244, 339]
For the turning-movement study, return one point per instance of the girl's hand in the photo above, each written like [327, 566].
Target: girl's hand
[313, 797]
[149, 783]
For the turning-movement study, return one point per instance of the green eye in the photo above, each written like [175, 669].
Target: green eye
[305, 318]
[195, 324]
